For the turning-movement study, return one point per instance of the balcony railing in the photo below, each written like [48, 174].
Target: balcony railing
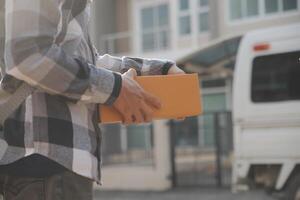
[116, 43]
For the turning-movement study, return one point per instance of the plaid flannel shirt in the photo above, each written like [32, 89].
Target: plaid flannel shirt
[47, 46]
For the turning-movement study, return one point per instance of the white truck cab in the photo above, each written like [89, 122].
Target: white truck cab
[266, 111]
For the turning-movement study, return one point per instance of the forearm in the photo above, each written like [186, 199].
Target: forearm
[141, 65]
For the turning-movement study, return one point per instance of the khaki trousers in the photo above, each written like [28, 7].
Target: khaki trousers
[63, 186]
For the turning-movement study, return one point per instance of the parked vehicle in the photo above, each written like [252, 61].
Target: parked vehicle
[266, 111]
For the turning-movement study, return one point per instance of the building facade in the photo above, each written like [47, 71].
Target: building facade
[173, 28]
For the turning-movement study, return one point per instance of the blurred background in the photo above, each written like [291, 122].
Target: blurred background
[204, 37]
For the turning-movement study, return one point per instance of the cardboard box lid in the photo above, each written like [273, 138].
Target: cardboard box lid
[179, 94]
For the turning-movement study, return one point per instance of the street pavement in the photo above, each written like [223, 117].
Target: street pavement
[183, 194]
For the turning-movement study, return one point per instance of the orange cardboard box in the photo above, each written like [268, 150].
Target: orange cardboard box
[179, 94]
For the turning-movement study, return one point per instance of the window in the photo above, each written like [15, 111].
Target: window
[203, 2]
[252, 8]
[274, 6]
[289, 5]
[203, 16]
[271, 6]
[184, 4]
[127, 145]
[243, 9]
[203, 22]
[185, 25]
[235, 9]
[184, 17]
[213, 83]
[276, 77]
[139, 137]
[240, 9]
[155, 27]
[211, 103]
[189, 12]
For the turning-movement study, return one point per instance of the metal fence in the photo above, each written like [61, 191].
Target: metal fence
[201, 150]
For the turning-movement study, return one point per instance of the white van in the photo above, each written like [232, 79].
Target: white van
[266, 111]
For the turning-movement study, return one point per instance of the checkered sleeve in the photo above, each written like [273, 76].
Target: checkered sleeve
[36, 31]
[142, 65]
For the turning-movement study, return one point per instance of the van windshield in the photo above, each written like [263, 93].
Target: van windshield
[276, 77]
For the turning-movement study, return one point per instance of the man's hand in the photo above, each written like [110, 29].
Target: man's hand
[134, 103]
[175, 70]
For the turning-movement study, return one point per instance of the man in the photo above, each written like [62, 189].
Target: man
[51, 145]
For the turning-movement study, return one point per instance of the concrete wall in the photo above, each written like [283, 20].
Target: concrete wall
[122, 15]
[109, 17]
[214, 18]
[102, 19]
[156, 177]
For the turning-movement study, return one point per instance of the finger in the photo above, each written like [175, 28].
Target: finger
[127, 120]
[152, 100]
[138, 117]
[180, 119]
[131, 73]
[127, 117]
[147, 112]
[175, 70]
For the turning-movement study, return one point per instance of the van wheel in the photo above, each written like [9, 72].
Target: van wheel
[293, 189]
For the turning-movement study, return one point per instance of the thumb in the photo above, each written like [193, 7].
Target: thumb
[131, 73]
[175, 70]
